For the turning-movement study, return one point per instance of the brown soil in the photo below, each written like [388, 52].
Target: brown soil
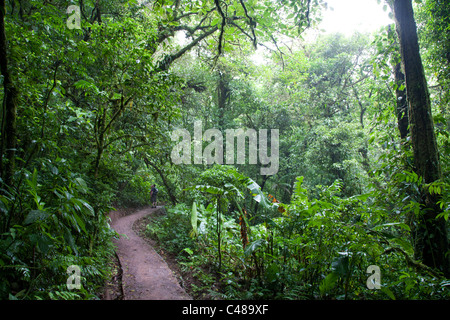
[140, 273]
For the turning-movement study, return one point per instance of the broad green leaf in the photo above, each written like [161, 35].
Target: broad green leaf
[215, 21]
[404, 244]
[253, 246]
[70, 241]
[35, 215]
[210, 189]
[362, 197]
[116, 96]
[388, 292]
[79, 222]
[393, 224]
[44, 242]
[82, 186]
[328, 283]
[232, 187]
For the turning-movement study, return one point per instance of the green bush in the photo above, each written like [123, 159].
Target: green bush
[318, 248]
[135, 192]
[172, 230]
[60, 227]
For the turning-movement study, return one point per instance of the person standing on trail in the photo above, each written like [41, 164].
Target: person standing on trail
[153, 193]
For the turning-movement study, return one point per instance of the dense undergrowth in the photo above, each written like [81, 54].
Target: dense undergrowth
[54, 224]
[312, 248]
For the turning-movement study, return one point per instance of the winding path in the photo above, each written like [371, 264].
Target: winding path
[146, 276]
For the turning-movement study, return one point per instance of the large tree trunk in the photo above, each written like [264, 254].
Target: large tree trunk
[430, 234]
[8, 131]
[223, 93]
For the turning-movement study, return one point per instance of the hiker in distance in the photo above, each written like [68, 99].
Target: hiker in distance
[153, 193]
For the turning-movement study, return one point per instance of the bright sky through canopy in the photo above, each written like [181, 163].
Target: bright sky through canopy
[350, 16]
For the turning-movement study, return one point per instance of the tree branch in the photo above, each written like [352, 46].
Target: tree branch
[118, 112]
[414, 263]
[164, 64]
[222, 26]
[252, 23]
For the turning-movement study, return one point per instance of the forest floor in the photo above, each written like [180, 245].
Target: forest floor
[140, 273]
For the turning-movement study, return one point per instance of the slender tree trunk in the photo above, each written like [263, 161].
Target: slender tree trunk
[9, 106]
[402, 103]
[100, 141]
[223, 92]
[219, 233]
[430, 234]
[362, 108]
[169, 186]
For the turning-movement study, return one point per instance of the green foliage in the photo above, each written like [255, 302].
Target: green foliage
[318, 248]
[60, 228]
[173, 230]
[433, 17]
[334, 103]
[333, 152]
[135, 191]
[95, 109]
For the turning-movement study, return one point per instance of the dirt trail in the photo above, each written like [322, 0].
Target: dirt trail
[146, 276]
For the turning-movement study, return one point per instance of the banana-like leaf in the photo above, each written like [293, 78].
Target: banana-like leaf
[253, 246]
[194, 232]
